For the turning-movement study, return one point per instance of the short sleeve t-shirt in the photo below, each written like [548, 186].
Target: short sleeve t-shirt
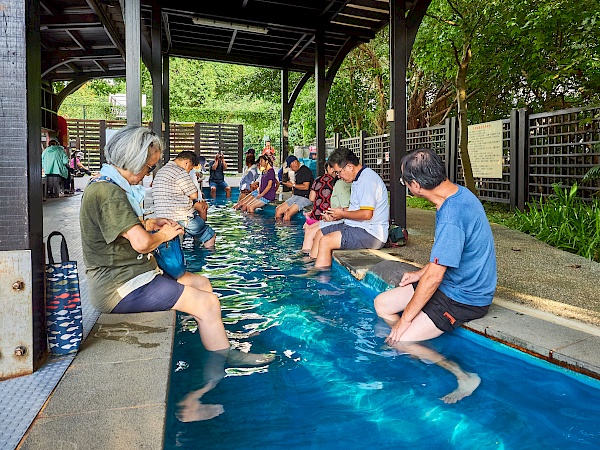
[267, 176]
[249, 177]
[110, 259]
[171, 190]
[369, 192]
[303, 175]
[340, 198]
[216, 175]
[465, 245]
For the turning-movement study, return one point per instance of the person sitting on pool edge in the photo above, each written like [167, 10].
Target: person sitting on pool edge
[366, 220]
[117, 244]
[340, 198]
[458, 283]
[176, 197]
[265, 193]
[300, 190]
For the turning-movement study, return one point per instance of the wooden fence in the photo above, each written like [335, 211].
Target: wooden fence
[205, 139]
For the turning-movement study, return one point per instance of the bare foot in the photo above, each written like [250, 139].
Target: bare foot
[466, 386]
[241, 359]
[198, 411]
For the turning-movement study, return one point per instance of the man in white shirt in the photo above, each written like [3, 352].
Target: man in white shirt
[366, 220]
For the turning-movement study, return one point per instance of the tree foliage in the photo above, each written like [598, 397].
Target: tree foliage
[539, 54]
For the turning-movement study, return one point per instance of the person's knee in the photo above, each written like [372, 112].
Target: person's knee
[211, 242]
[379, 303]
[327, 242]
[211, 306]
[205, 303]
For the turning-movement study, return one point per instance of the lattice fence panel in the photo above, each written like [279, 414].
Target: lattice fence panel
[377, 155]
[432, 137]
[352, 144]
[563, 146]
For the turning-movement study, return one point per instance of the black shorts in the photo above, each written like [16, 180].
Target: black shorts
[447, 314]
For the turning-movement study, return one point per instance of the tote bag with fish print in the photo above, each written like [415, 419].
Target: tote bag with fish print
[63, 305]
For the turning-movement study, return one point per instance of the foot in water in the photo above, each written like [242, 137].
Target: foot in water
[197, 411]
[237, 358]
[466, 386]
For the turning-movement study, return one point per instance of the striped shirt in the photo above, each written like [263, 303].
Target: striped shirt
[171, 190]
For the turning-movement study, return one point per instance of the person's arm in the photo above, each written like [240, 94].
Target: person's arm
[431, 277]
[302, 186]
[224, 164]
[143, 242]
[312, 195]
[342, 213]
[202, 207]
[215, 164]
[157, 224]
[267, 187]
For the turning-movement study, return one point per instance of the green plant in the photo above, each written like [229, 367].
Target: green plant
[594, 172]
[420, 203]
[564, 221]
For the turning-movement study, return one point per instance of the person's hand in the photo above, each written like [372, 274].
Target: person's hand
[253, 186]
[157, 224]
[201, 206]
[397, 331]
[409, 278]
[170, 231]
[334, 214]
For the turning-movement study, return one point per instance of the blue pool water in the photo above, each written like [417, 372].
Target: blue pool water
[333, 385]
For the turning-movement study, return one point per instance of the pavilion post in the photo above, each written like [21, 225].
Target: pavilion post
[156, 71]
[22, 307]
[321, 100]
[397, 112]
[132, 64]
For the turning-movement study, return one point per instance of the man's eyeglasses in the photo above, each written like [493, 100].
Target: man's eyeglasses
[151, 168]
[337, 172]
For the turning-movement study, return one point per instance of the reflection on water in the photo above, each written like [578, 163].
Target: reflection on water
[333, 384]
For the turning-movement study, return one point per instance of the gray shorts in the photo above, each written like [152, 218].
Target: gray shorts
[302, 202]
[354, 237]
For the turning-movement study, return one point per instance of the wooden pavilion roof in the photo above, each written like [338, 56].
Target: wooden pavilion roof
[86, 38]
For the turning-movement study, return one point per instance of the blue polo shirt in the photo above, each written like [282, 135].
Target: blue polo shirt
[465, 245]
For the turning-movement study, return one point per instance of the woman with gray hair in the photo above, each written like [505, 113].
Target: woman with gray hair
[118, 243]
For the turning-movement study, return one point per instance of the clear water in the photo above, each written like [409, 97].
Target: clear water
[332, 385]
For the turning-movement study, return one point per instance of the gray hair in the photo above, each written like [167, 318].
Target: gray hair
[131, 147]
[425, 167]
